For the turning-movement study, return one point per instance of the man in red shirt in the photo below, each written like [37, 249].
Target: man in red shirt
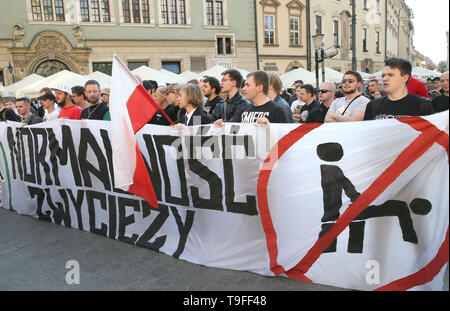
[63, 95]
[417, 87]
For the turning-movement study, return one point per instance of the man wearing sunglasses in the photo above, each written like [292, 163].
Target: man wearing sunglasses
[327, 93]
[351, 107]
[398, 102]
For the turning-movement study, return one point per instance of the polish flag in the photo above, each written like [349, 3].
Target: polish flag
[131, 107]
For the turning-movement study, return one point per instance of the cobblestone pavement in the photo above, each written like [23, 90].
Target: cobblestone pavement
[34, 253]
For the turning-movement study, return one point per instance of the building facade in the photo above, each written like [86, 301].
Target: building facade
[333, 18]
[45, 36]
[282, 38]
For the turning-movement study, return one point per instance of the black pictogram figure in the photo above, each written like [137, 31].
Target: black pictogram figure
[334, 182]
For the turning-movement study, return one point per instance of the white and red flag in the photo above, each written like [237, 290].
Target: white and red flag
[131, 107]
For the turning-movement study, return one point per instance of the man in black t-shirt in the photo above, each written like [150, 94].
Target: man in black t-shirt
[98, 110]
[262, 110]
[441, 102]
[399, 103]
[7, 114]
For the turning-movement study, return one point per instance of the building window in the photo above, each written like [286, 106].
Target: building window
[214, 12]
[84, 6]
[48, 10]
[105, 67]
[105, 11]
[269, 29]
[135, 65]
[95, 11]
[136, 11]
[294, 27]
[364, 31]
[224, 45]
[377, 41]
[318, 24]
[174, 67]
[365, 5]
[336, 33]
[173, 12]
[126, 11]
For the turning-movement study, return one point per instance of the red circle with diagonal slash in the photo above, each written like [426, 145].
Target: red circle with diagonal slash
[430, 135]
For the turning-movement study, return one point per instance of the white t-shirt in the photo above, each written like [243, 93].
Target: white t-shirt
[340, 104]
[53, 115]
[297, 104]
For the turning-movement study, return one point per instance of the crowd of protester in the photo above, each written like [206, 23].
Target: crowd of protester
[258, 98]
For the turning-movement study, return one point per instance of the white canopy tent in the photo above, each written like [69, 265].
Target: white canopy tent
[215, 72]
[365, 75]
[423, 73]
[175, 76]
[102, 78]
[417, 72]
[189, 75]
[2, 90]
[330, 75]
[13, 88]
[147, 73]
[290, 77]
[67, 77]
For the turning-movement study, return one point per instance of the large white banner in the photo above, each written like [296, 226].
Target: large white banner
[361, 205]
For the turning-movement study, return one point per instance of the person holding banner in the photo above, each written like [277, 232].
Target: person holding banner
[63, 95]
[263, 110]
[160, 97]
[7, 114]
[191, 99]
[351, 107]
[98, 110]
[398, 102]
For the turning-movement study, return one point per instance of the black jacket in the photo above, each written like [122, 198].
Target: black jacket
[234, 108]
[199, 114]
[8, 114]
[210, 106]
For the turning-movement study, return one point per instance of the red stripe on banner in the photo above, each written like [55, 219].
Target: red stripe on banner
[430, 135]
[141, 108]
[427, 274]
[276, 153]
[142, 185]
[413, 152]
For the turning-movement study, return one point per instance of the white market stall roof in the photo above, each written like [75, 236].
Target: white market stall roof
[13, 88]
[189, 75]
[215, 72]
[2, 89]
[177, 77]
[423, 73]
[67, 77]
[290, 77]
[330, 75]
[417, 72]
[365, 75]
[147, 73]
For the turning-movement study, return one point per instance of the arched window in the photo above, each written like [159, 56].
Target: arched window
[49, 67]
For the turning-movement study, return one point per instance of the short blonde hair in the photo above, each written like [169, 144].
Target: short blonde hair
[194, 94]
[275, 81]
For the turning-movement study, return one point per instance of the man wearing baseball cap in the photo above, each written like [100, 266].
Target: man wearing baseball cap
[51, 109]
[63, 95]
[105, 96]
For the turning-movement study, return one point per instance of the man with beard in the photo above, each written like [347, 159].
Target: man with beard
[351, 107]
[211, 90]
[98, 110]
[63, 95]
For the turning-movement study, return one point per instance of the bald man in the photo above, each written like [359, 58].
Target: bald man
[441, 103]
